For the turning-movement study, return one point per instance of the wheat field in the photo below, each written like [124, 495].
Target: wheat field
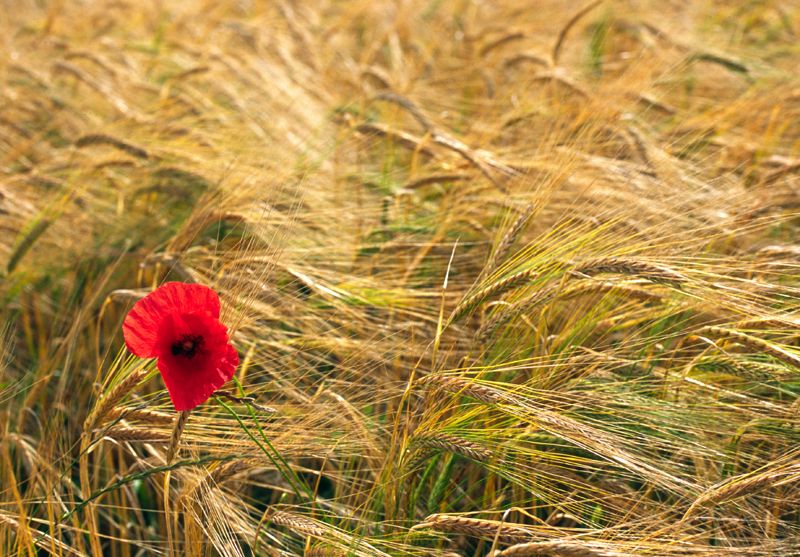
[505, 277]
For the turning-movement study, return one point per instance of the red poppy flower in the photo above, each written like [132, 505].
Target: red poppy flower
[179, 324]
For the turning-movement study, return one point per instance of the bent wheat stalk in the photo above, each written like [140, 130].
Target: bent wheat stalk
[296, 523]
[459, 385]
[139, 434]
[506, 314]
[449, 443]
[745, 484]
[177, 432]
[114, 396]
[140, 415]
[557, 548]
[511, 235]
[755, 343]
[510, 282]
[629, 266]
[477, 528]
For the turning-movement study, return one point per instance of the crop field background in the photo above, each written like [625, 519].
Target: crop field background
[507, 277]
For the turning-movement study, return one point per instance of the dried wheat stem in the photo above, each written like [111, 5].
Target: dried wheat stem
[556, 549]
[562, 35]
[114, 396]
[24, 245]
[789, 252]
[482, 160]
[125, 295]
[408, 105]
[379, 75]
[511, 235]
[297, 523]
[651, 102]
[477, 528]
[454, 444]
[324, 551]
[93, 58]
[559, 76]
[103, 139]
[595, 287]
[745, 484]
[628, 266]
[510, 282]
[407, 140]
[758, 369]
[100, 88]
[435, 179]
[142, 435]
[505, 39]
[755, 343]
[458, 385]
[115, 163]
[506, 314]
[774, 322]
[177, 431]
[229, 469]
[218, 476]
[140, 415]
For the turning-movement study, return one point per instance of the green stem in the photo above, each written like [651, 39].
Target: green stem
[141, 475]
[285, 470]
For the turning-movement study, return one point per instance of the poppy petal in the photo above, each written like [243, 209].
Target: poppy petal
[192, 380]
[143, 322]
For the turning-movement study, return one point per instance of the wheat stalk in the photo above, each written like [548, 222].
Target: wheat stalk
[297, 523]
[449, 443]
[122, 433]
[628, 266]
[407, 140]
[456, 445]
[562, 35]
[227, 470]
[436, 179]
[177, 432]
[743, 485]
[755, 343]
[125, 295]
[104, 139]
[114, 397]
[324, 551]
[220, 474]
[408, 105]
[511, 235]
[773, 322]
[759, 369]
[30, 237]
[458, 385]
[503, 285]
[604, 287]
[477, 528]
[505, 39]
[556, 548]
[507, 313]
[101, 88]
[139, 415]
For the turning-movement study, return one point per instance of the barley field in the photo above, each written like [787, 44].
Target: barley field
[503, 277]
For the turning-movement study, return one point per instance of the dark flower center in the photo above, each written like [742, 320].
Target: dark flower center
[187, 346]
